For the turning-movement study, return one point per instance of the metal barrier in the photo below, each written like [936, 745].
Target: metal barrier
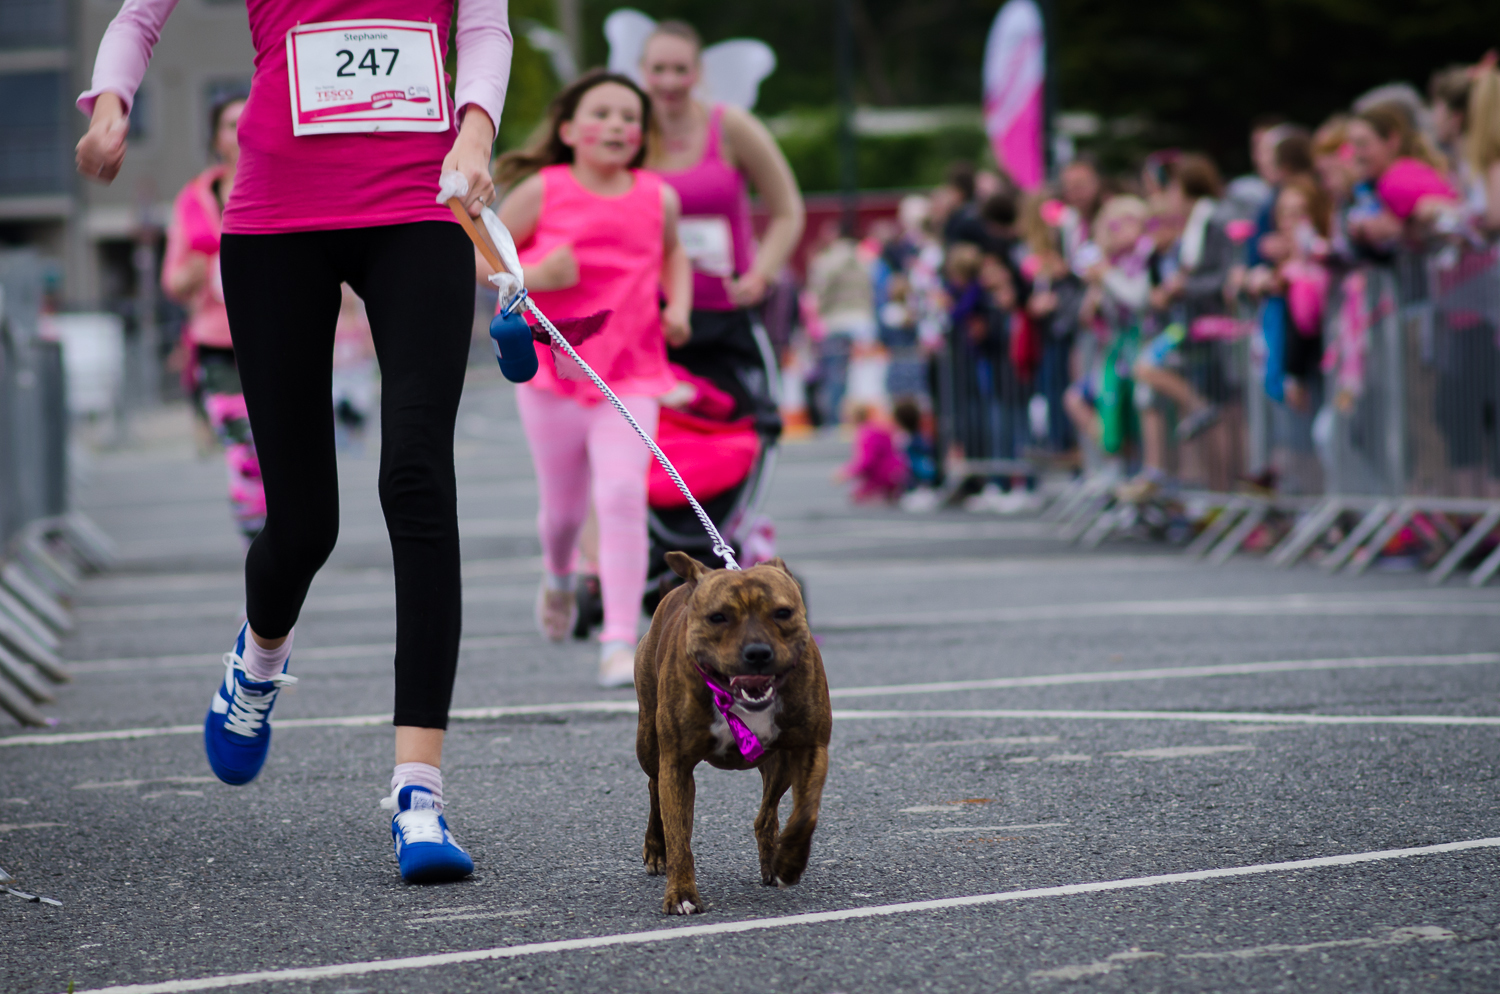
[1396, 452]
[980, 412]
[43, 548]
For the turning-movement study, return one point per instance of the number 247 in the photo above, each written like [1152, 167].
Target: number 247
[368, 62]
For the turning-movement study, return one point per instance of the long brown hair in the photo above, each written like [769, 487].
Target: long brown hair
[1391, 118]
[546, 147]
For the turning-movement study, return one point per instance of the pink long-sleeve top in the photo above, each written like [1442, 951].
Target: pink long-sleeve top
[325, 181]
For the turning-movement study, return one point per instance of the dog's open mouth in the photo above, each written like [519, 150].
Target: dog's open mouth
[753, 693]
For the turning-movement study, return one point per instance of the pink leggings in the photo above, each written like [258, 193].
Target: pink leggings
[577, 448]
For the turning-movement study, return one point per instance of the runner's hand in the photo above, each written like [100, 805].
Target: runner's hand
[101, 150]
[747, 290]
[676, 326]
[470, 155]
[558, 270]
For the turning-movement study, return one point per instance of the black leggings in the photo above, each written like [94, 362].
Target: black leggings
[282, 293]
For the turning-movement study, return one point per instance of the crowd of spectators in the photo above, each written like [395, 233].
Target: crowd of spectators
[1091, 325]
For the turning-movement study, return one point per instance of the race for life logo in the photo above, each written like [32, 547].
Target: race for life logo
[366, 76]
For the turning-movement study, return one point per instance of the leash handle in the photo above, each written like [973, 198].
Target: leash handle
[721, 548]
[477, 235]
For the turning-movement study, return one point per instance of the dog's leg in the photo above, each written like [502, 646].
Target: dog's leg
[654, 851]
[676, 789]
[794, 845]
[775, 778]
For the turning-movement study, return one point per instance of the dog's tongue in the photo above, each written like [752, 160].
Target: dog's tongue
[752, 686]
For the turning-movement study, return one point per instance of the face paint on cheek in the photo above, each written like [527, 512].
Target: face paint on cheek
[587, 132]
[632, 136]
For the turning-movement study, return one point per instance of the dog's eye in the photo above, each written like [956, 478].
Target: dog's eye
[718, 617]
[783, 613]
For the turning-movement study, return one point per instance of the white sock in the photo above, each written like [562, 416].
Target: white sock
[262, 664]
[607, 649]
[429, 778]
[563, 583]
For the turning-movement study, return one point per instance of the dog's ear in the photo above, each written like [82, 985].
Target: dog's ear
[776, 562]
[686, 566]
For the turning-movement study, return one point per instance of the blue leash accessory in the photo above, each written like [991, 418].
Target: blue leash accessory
[514, 348]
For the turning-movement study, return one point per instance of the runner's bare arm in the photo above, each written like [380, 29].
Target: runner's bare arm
[519, 212]
[676, 274]
[750, 147]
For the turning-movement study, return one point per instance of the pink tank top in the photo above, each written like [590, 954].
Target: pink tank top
[315, 182]
[618, 244]
[715, 226]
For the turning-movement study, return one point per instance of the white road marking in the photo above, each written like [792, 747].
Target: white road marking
[1004, 740]
[1169, 673]
[1118, 961]
[1108, 964]
[204, 660]
[1396, 937]
[1069, 757]
[431, 961]
[384, 600]
[1209, 716]
[29, 825]
[1291, 605]
[100, 785]
[927, 809]
[1181, 752]
[629, 707]
[997, 828]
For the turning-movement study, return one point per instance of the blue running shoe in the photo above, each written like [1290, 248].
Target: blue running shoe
[425, 848]
[237, 730]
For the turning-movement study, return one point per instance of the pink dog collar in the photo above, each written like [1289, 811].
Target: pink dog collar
[749, 744]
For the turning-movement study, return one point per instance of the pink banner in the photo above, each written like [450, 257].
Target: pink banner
[1014, 70]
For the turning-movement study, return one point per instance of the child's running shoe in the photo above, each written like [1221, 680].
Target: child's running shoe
[425, 848]
[237, 730]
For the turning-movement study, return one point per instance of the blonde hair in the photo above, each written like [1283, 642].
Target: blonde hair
[1482, 139]
[1122, 206]
[674, 29]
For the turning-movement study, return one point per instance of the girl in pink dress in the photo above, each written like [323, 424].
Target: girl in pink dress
[345, 142]
[190, 275]
[597, 233]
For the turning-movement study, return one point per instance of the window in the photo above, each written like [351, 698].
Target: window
[33, 24]
[35, 150]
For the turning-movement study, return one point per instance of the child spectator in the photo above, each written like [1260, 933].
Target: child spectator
[875, 466]
[1116, 299]
[921, 458]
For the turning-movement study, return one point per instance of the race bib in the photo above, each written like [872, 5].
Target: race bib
[366, 75]
[708, 244]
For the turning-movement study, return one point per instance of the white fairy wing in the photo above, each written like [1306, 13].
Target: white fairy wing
[733, 70]
[626, 30]
[553, 44]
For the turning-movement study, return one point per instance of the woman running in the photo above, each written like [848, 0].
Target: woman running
[190, 276]
[706, 153]
[344, 190]
[597, 233]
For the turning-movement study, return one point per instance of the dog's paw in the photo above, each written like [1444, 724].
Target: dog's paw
[685, 902]
[656, 863]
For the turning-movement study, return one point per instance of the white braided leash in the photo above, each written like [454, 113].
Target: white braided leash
[721, 547]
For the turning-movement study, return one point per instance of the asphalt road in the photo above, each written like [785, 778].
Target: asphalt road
[1120, 731]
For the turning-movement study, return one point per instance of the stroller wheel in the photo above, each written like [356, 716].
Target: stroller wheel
[590, 607]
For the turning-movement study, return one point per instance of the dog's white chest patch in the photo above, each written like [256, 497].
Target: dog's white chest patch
[762, 723]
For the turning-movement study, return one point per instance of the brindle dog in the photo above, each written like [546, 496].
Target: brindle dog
[746, 632]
